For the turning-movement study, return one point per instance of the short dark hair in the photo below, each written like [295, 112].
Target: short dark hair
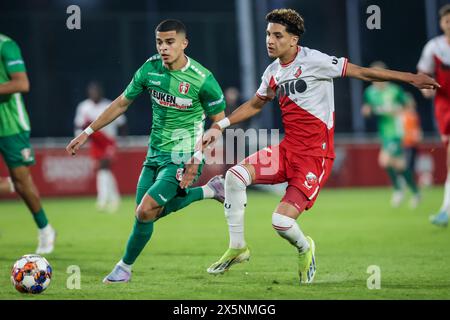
[289, 18]
[444, 10]
[171, 25]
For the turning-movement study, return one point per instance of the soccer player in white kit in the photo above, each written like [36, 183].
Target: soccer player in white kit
[302, 81]
[435, 60]
[103, 146]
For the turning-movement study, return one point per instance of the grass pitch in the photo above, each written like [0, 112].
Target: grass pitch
[353, 229]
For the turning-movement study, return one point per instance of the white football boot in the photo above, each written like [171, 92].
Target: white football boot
[46, 238]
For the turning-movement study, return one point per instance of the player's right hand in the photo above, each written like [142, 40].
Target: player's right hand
[76, 143]
[423, 81]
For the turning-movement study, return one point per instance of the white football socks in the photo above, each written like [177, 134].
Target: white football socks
[208, 193]
[102, 188]
[289, 230]
[107, 191]
[446, 202]
[124, 265]
[46, 230]
[113, 192]
[237, 179]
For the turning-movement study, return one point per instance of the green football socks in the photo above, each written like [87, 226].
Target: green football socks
[142, 231]
[393, 175]
[141, 234]
[410, 181]
[40, 218]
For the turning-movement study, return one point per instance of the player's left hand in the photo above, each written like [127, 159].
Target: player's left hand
[423, 81]
[190, 171]
[209, 137]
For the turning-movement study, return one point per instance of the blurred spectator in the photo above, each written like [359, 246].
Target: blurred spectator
[102, 145]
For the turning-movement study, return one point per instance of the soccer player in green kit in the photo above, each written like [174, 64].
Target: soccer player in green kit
[15, 138]
[386, 100]
[182, 93]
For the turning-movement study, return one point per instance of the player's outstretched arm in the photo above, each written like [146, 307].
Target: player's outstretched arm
[18, 83]
[420, 80]
[114, 110]
[245, 111]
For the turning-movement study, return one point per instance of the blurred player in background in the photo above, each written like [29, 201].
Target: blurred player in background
[183, 93]
[435, 60]
[302, 80]
[386, 101]
[15, 137]
[412, 132]
[233, 99]
[102, 144]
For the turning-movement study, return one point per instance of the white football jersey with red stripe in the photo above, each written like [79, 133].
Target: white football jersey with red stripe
[87, 111]
[304, 88]
[435, 60]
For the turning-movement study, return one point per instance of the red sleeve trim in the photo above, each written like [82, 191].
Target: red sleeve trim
[264, 98]
[344, 68]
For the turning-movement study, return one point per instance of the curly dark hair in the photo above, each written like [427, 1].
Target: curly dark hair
[289, 18]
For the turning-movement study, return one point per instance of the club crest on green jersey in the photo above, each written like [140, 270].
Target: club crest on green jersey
[183, 88]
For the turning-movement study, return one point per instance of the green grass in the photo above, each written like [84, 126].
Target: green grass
[352, 228]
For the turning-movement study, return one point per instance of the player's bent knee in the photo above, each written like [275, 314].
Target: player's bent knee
[147, 211]
[281, 223]
[237, 178]
[145, 214]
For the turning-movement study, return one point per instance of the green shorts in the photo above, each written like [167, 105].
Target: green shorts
[16, 150]
[393, 147]
[160, 179]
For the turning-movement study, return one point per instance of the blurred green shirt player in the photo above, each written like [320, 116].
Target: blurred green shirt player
[182, 94]
[15, 145]
[13, 116]
[386, 101]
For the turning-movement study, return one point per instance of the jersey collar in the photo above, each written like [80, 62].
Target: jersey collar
[188, 64]
[284, 65]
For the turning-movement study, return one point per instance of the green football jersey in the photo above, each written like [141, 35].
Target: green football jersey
[386, 105]
[13, 116]
[181, 100]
